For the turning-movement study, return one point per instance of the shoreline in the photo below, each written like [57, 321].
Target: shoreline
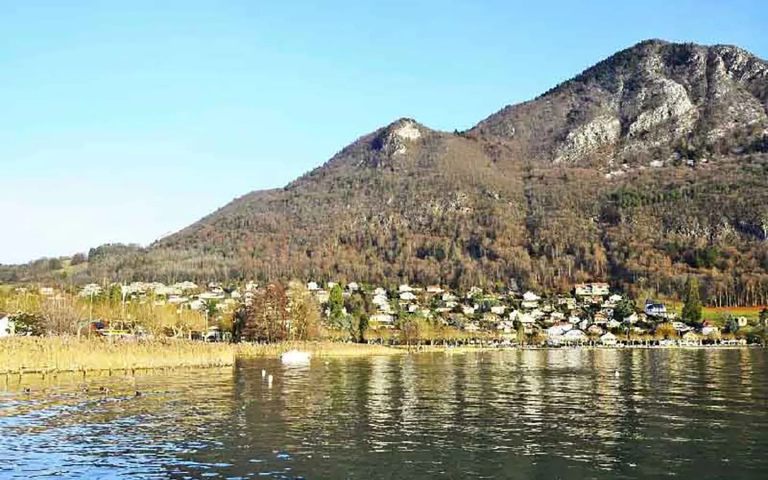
[53, 356]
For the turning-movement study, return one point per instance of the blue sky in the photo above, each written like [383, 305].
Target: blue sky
[125, 121]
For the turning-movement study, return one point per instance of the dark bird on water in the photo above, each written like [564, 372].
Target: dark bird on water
[138, 393]
[27, 390]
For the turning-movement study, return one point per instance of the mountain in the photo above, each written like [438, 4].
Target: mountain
[648, 167]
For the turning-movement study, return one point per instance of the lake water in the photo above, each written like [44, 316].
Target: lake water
[514, 414]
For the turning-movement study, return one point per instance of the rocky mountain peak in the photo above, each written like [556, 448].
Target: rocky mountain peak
[644, 101]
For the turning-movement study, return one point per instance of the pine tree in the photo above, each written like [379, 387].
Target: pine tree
[692, 306]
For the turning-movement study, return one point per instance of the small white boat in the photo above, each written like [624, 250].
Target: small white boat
[295, 357]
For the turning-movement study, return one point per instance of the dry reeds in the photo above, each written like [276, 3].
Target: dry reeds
[50, 355]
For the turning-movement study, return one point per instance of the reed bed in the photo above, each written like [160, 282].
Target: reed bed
[50, 355]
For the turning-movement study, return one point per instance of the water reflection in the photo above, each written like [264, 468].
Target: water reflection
[507, 414]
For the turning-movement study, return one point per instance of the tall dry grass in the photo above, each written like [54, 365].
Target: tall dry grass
[66, 354]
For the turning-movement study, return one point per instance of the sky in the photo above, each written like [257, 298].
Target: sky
[124, 121]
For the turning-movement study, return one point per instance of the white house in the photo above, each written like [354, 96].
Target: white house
[6, 326]
[530, 300]
[608, 339]
[434, 289]
[655, 309]
[405, 288]
[407, 296]
[592, 289]
[313, 286]
[353, 287]
[498, 309]
[575, 336]
[382, 318]
[613, 324]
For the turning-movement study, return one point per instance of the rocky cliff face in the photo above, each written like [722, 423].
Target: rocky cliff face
[642, 104]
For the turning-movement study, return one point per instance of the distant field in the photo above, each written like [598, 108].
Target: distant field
[714, 313]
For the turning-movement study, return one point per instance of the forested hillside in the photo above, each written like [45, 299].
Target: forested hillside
[647, 168]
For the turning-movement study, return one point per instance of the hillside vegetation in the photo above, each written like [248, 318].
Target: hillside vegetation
[647, 168]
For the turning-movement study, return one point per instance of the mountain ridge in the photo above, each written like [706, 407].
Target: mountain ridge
[645, 168]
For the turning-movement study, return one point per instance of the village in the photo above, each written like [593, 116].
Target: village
[591, 314]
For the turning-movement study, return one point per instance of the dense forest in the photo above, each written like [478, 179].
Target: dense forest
[644, 170]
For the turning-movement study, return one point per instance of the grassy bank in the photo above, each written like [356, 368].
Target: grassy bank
[58, 354]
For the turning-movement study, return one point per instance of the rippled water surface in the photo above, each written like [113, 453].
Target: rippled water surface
[513, 414]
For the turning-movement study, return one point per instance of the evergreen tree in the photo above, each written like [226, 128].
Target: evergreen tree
[336, 305]
[692, 306]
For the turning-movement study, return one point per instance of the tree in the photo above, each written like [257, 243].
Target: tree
[78, 259]
[623, 309]
[265, 318]
[731, 324]
[359, 307]
[665, 330]
[336, 306]
[692, 306]
[210, 309]
[305, 312]
[28, 324]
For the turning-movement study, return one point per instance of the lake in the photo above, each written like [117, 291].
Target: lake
[518, 414]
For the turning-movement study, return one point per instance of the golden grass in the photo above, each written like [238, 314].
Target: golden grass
[67, 354]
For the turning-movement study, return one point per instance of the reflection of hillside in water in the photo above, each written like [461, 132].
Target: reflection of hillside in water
[535, 413]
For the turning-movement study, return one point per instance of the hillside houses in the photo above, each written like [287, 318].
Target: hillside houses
[533, 317]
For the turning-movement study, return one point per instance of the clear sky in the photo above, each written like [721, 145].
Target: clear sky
[122, 121]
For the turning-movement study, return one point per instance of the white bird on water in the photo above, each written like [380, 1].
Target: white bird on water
[616, 373]
[263, 373]
[269, 381]
[295, 357]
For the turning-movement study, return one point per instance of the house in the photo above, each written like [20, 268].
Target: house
[632, 319]
[322, 296]
[655, 309]
[527, 319]
[614, 299]
[468, 310]
[474, 292]
[46, 291]
[434, 289]
[311, 286]
[574, 319]
[405, 288]
[557, 317]
[382, 318]
[608, 339]
[592, 289]
[498, 309]
[559, 329]
[407, 296]
[690, 338]
[708, 328]
[575, 336]
[601, 318]
[530, 300]
[595, 330]
[568, 302]
[7, 325]
[471, 327]
[449, 297]
[613, 324]
[741, 321]
[680, 327]
[353, 287]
